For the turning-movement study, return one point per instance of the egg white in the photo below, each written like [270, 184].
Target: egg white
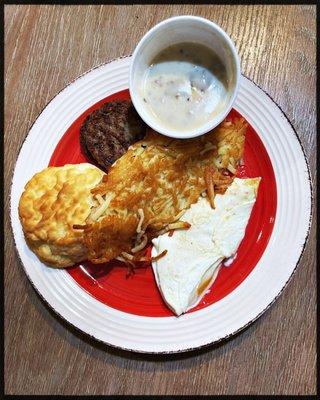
[194, 256]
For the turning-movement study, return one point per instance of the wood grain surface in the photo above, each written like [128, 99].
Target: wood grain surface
[48, 46]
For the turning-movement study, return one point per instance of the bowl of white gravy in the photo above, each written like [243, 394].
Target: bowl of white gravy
[184, 76]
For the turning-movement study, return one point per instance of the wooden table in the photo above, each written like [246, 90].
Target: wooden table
[48, 46]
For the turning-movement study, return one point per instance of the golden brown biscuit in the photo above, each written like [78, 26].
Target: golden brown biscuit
[53, 201]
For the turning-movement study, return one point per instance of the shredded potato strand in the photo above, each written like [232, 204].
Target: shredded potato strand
[100, 198]
[178, 216]
[127, 256]
[79, 226]
[141, 215]
[131, 261]
[130, 265]
[208, 147]
[140, 246]
[209, 171]
[179, 225]
[102, 207]
[173, 226]
[150, 259]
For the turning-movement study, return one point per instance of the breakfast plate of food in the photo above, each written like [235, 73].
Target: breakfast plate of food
[161, 206]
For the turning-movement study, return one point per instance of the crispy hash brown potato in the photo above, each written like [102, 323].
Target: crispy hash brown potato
[147, 190]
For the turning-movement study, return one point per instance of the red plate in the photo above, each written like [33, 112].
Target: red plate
[139, 294]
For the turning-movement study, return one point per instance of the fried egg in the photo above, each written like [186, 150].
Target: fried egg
[194, 256]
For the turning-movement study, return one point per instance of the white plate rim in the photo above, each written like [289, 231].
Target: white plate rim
[189, 348]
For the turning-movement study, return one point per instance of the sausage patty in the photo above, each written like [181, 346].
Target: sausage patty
[107, 132]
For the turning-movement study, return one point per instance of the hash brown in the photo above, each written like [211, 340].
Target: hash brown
[161, 177]
[53, 201]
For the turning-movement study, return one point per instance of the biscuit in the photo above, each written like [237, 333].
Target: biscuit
[53, 201]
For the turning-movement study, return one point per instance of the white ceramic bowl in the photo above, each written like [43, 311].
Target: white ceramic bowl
[177, 30]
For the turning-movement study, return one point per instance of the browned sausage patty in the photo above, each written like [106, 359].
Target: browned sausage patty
[107, 132]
